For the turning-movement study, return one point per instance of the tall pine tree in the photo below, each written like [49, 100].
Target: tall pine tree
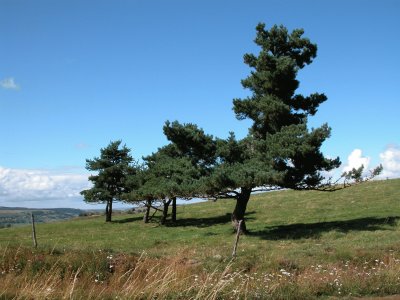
[279, 151]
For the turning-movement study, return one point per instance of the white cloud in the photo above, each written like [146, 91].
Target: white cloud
[355, 160]
[81, 146]
[9, 84]
[391, 162]
[47, 188]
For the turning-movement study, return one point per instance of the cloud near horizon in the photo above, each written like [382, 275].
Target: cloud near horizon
[356, 160]
[390, 159]
[9, 84]
[42, 188]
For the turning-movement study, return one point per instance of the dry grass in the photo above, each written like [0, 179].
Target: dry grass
[78, 275]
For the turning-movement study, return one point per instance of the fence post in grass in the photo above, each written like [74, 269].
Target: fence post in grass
[33, 231]
[237, 239]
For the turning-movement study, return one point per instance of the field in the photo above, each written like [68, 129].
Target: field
[301, 245]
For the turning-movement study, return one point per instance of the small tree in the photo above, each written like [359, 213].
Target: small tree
[356, 175]
[113, 168]
[174, 171]
[160, 182]
[167, 177]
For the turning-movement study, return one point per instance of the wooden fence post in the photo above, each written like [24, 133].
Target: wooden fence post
[237, 239]
[33, 231]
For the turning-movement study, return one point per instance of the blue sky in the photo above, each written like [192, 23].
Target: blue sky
[75, 75]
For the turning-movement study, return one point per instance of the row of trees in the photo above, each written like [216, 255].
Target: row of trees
[279, 150]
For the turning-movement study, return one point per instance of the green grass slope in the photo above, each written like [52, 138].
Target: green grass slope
[301, 245]
[303, 226]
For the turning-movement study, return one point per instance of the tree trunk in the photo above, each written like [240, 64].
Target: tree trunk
[108, 210]
[173, 217]
[147, 213]
[165, 211]
[240, 210]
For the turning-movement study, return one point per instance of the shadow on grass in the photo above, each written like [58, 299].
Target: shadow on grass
[205, 222]
[314, 230]
[127, 220]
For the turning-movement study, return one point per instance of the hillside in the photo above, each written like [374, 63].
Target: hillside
[12, 216]
[303, 233]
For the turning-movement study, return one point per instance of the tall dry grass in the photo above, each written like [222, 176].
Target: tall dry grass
[26, 274]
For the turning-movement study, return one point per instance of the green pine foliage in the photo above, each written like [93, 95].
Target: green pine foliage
[113, 168]
[175, 170]
[289, 153]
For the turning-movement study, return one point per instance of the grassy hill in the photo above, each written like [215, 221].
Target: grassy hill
[302, 239]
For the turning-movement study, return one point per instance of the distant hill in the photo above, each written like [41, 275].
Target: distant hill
[13, 216]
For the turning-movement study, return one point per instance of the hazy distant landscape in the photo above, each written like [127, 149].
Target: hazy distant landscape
[15, 216]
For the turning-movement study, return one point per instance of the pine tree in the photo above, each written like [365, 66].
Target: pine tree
[113, 168]
[165, 177]
[175, 169]
[279, 151]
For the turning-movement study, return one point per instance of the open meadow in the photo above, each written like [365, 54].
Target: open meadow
[300, 245]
